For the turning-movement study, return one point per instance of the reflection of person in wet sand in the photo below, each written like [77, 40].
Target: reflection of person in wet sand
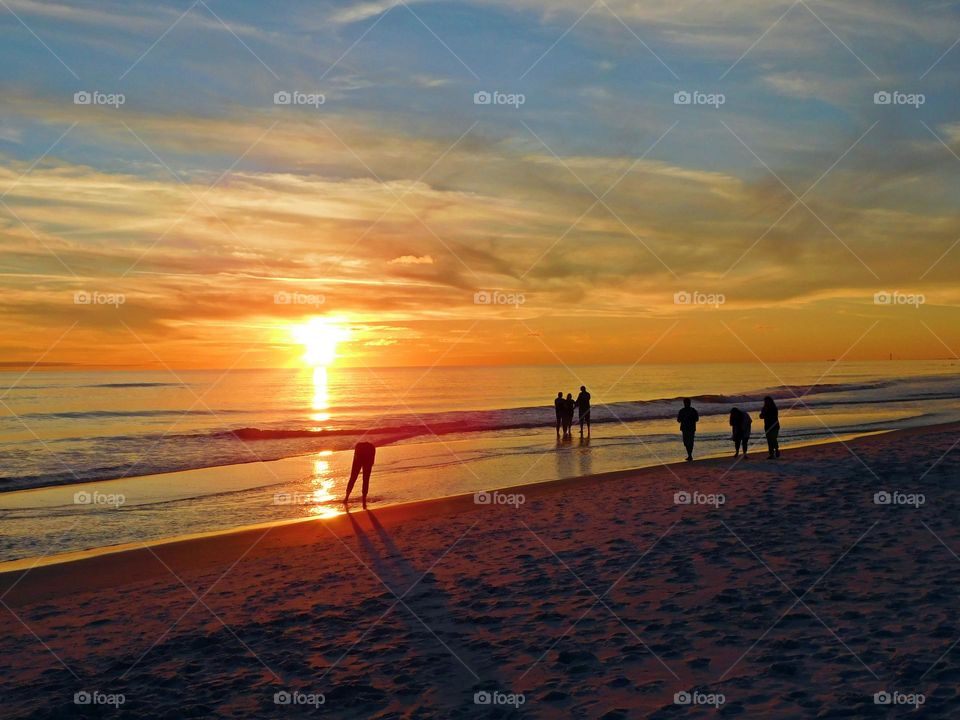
[363, 456]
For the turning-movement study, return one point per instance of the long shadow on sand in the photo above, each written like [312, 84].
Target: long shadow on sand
[409, 585]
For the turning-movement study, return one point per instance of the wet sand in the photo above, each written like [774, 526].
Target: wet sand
[799, 596]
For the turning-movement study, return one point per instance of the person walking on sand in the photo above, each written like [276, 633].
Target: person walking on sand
[558, 406]
[771, 426]
[583, 406]
[364, 454]
[740, 422]
[688, 418]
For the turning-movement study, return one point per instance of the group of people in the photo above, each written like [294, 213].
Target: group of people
[365, 453]
[740, 423]
[565, 406]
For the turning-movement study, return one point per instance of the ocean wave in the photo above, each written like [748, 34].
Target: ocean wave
[530, 418]
[135, 385]
[107, 414]
[150, 451]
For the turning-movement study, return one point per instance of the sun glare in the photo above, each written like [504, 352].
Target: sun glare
[320, 337]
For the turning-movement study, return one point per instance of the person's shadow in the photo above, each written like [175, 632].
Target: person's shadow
[416, 594]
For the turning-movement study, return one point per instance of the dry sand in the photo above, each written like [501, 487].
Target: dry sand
[798, 597]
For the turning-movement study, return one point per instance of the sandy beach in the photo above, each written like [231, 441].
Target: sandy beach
[755, 589]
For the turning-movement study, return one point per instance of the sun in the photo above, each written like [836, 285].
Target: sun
[320, 337]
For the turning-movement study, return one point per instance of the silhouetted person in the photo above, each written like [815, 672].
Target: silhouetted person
[741, 423]
[364, 454]
[568, 405]
[771, 426]
[583, 408]
[558, 405]
[688, 418]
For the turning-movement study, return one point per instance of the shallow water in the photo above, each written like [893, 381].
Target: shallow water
[97, 427]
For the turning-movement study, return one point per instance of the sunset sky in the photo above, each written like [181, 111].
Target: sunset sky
[223, 220]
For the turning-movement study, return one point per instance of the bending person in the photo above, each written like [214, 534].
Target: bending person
[364, 454]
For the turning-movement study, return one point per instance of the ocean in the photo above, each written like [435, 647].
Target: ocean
[92, 459]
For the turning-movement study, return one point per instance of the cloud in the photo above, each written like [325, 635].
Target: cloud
[10, 134]
[358, 12]
[381, 204]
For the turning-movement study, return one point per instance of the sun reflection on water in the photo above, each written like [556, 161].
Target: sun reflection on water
[322, 486]
[321, 395]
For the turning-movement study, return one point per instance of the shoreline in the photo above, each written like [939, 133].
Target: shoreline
[766, 582]
[110, 566]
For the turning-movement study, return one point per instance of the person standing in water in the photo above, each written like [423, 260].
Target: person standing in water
[688, 418]
[771, 426]
[364, 454]
[740, 422]
[558, 406]
[583, 406]
[568, 405]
